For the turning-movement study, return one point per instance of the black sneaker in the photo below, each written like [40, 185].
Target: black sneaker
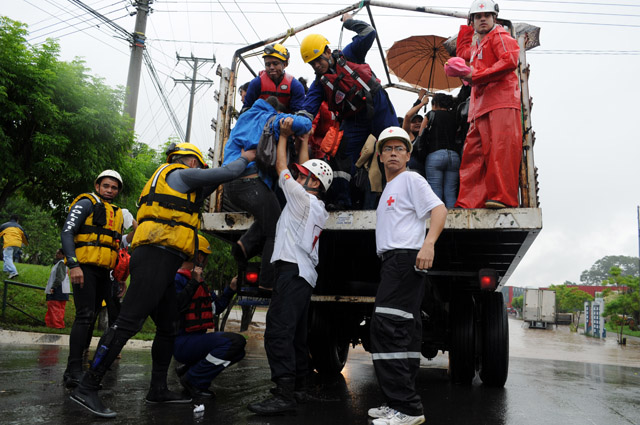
[273, 406]
[158, 395]
[89, 399]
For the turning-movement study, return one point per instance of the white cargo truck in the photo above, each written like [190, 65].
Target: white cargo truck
[539, 307]
[464, 312]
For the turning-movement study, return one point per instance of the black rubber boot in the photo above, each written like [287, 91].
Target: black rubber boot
[161, 394]
[194, 391]
[86, 395]
[283, 400]
[182, 369]
[72, 374]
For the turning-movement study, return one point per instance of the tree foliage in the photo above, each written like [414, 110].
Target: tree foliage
[570, 299]
[627, 303]
[59, 126]
[517, 303]
[599, 272]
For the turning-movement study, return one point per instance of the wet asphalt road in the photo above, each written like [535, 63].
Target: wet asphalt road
[538, 391]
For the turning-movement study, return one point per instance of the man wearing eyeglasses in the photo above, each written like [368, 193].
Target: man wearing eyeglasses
[168, 223]
[274, 81]
[396, 327]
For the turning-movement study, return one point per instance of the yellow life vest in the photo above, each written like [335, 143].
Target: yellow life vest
[98, 243]
[167, 217]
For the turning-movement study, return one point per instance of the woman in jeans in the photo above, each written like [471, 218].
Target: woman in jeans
[443, 153]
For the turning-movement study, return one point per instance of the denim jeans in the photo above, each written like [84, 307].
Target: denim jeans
[442, 171]
[255, 197]
[9, 267]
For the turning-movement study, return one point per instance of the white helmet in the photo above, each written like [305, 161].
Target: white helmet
[487, 6]
[320, 169]
[110, 173]
[394, 133]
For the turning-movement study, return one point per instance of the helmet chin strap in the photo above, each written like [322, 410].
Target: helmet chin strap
[307, 187]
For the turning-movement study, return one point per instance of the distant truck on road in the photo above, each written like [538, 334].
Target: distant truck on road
[539, 307]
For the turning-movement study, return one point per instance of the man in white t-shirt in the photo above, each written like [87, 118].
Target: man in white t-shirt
[295, 255]
[396, 329]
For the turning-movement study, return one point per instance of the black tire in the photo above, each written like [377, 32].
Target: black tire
[329, 352]
[495, 341]
[462, 353]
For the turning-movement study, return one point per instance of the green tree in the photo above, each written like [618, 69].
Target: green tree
[599, 272]
[59, 126]
[570, 300]
[625, 304]
[517, 303]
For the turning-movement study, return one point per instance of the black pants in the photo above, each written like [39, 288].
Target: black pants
[151, 293]
[285, 338]
[396, 332]
[253, 195]
[88, 301]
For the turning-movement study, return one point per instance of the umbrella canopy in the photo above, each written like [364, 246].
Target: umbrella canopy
[419, 60]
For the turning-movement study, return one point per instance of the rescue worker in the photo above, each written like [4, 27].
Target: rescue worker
[295, 256]
[353, 92]
[274, 81]
[91, 238]
[168, 222]
[396, 325]
[204, 354]
[491, 156]
[13, 237]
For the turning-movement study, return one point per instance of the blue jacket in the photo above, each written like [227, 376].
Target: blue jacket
[248, 129]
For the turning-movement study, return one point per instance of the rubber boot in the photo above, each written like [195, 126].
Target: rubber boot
[86, 395]
[283, 400]
[72, 374]
[159, 393]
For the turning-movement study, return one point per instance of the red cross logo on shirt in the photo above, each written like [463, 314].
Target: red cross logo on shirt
[390, 201]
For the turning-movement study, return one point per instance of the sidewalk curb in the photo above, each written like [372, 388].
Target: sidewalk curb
[28, 338]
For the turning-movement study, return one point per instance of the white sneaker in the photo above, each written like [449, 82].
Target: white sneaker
[384, 412]
[12, 275]
[402, 419]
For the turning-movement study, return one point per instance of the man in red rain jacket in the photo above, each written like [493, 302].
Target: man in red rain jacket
[493, 147]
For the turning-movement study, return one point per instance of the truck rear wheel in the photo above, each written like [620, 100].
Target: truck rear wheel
[463, 342]
[495, 341]
[329, 352]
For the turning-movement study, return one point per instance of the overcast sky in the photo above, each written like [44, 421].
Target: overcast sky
[583, 84]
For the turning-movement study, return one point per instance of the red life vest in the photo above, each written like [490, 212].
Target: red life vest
[351, 88]
[199, 315]
[282, 91]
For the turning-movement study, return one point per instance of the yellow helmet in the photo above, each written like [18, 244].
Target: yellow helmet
[185, 149]
[277, 51]
[203, 245]
[312, 46]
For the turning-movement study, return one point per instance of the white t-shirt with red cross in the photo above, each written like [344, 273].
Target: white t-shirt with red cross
[299, 227]
[402, 213]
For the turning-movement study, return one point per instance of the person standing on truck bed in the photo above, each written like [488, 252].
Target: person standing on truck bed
[489, 170]
[295, 256]
[353, 92]
[168, 223]
[396, 327]
[274, 81]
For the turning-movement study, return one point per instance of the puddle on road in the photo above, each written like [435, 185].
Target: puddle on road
[562, 344]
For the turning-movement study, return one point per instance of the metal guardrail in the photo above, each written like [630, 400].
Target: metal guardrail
[6, 304]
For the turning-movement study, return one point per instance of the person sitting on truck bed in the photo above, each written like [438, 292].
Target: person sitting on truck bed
[295, 256]
[396, 326]
[252, 190]
[489, 170]
[274, 81]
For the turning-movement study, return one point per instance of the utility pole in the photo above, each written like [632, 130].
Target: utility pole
[135, 62]
[194, 83]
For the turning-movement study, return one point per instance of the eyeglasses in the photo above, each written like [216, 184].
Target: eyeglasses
[398, 149]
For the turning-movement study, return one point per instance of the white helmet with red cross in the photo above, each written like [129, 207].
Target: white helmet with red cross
[486, 6]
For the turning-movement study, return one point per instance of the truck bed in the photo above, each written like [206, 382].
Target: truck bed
[472, 239]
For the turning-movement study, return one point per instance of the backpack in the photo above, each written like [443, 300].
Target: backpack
[266, 151]
[421, 144]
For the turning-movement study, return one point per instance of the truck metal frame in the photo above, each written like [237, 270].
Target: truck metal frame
[459, 315]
